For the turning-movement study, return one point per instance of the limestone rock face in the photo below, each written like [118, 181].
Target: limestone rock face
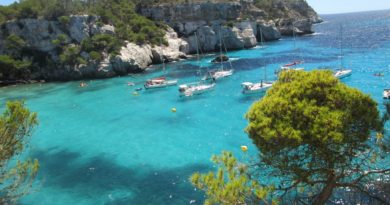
[208, 38]
[294, 17]
[247, 31]
[207, 20]
[176, 49]
[268, 30]
[133, 58]
[207, 26]
[78, 27]
[290, 27]
[207, 11]
[37, 33]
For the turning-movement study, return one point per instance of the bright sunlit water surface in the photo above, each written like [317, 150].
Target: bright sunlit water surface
[103, 145]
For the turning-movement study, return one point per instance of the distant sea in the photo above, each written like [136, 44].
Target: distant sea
[103, 145]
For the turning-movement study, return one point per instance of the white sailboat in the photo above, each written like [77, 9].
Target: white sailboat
[342, 72]
[220, 73]
[160, 82]
[258, 87]
[196, 88]
[295, 64]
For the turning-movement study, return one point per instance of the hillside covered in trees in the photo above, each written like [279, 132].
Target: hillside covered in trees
[77, 39]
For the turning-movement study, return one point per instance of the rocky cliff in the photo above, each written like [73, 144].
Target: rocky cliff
[239, 24]
[40, 34]
[207, 26]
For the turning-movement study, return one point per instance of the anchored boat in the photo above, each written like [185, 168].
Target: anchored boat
[342, 72]
[220, 73]
[160, 82]
[196, 88]
[252, 88]
[259, 87]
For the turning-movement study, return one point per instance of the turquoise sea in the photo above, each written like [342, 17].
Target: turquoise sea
[102, 145]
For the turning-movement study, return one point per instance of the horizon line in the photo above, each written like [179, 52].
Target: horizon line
[350, 12]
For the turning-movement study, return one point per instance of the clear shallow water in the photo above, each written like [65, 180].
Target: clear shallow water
[103, 145]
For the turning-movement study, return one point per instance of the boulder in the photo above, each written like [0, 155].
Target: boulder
[220, 58]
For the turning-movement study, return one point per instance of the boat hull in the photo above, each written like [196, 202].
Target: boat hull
[216, 75]
[161, 85]
[196, 89]
[256, 88]
[343, 74]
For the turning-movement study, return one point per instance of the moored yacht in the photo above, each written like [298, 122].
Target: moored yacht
[188, 90]
[160, 82]
[252, 88]
[220, 73]
[258, 87]
[342, 73]
[196, 88]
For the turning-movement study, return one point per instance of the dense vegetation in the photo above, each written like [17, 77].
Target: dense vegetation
[129, 26]
[16, 177]
[120, 13]
[315, 133]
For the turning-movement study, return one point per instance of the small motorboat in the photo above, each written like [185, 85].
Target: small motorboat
[290, 66]
[340, 74]
[386, 94]
[379, 74]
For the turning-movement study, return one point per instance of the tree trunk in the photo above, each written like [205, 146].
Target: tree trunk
[327, 191]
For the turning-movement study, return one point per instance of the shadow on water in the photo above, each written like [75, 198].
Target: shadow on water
[31, 91]
[100, 176]
[250, 98]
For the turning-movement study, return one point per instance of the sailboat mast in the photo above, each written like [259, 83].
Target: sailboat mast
[220, 47]
[261, 37]
[341, 47]
[162, 59]
[197, 53]
[294, 37]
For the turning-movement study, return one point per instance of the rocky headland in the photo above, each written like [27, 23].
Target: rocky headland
[236, 25]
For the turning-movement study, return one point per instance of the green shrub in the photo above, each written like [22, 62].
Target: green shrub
[70, 54]
[95, 55]
[120, 13]
[81, 61]
[60, 40]
[10, 67]
[101, 42]
[14, 45]
[64, 20]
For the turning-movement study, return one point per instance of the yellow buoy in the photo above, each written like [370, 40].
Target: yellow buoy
[135, 93]
[244, 148]
[173, 110]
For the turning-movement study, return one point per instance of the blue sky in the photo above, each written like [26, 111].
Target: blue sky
[6, 2]
[327, 6]
[344, 6]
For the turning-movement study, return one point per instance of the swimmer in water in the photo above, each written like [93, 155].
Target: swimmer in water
[82, 84]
